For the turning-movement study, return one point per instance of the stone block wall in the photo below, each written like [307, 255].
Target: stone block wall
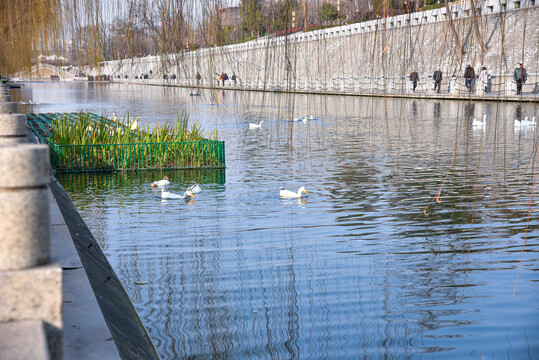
[30, 287]
[388, 48]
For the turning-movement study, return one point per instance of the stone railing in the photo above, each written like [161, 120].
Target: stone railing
[30, 287]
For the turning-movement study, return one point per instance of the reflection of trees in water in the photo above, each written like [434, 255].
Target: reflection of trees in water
[518, 112]
[381, 205]
[92, 191]
[124, 181]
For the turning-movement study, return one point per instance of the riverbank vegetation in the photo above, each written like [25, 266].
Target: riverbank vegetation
[87, 129]
[86, 142]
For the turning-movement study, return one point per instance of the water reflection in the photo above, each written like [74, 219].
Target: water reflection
[518, 112]
[357, 270]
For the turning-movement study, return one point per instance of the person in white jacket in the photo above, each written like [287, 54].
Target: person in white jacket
[483, 78]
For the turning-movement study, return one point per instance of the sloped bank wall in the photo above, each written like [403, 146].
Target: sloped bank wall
[389, 47]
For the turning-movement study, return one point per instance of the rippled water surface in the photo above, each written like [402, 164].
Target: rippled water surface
[372, 265]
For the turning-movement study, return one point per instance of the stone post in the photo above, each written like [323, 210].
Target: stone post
[8, 107]
[453, 87]
[24, 209]
[13, 128]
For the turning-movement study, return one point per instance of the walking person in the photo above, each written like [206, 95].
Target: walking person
[223, 78]
[414, 78]
[198, 77]
[520, 76]
[483, 78]
[234, 78]
[469, 75]
[437, 77]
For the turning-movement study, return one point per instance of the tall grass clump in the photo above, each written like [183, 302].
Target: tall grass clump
[85, 129]
[86, 142]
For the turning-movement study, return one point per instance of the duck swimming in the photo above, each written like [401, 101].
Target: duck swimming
[290, 194]
[195, 188]
[169, 195]
[253, 126]
[160, 183]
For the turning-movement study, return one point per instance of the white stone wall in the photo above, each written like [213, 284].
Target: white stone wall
[340, 58]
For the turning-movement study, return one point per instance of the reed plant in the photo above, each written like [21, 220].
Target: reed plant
[85, 142]
[86, 129]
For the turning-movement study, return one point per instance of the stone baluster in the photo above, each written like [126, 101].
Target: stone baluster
[453, 86]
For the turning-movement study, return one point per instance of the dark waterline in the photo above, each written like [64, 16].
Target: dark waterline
[357, 270]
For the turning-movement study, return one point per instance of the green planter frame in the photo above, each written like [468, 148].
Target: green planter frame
[205, 154]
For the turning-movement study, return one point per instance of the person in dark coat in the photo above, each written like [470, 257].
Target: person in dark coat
[414, 78]
[198, 78]
[234, 78]
[469, 75]
[437, 77]
[520, 76]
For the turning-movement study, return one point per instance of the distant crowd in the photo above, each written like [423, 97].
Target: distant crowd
[519, 75]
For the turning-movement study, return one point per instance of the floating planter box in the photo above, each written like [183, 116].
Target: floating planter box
[203, 154]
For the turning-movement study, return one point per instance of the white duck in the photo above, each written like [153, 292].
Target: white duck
[253, 126]
[169, 195]
[195, 188]
[161, 183]
[290, 194]
[304, 118]
[478, 123]
[525, 123]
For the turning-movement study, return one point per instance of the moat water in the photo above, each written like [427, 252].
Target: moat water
[372, 265]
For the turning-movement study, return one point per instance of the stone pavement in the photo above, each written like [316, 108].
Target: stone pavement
[85, 332]
[131, 339]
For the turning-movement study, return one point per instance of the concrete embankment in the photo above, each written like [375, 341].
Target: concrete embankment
[369, 58]
[130, 337]
[59, 297]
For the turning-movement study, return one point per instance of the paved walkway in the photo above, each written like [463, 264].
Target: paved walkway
[420, 94]
[130, 337]
[85, 332]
